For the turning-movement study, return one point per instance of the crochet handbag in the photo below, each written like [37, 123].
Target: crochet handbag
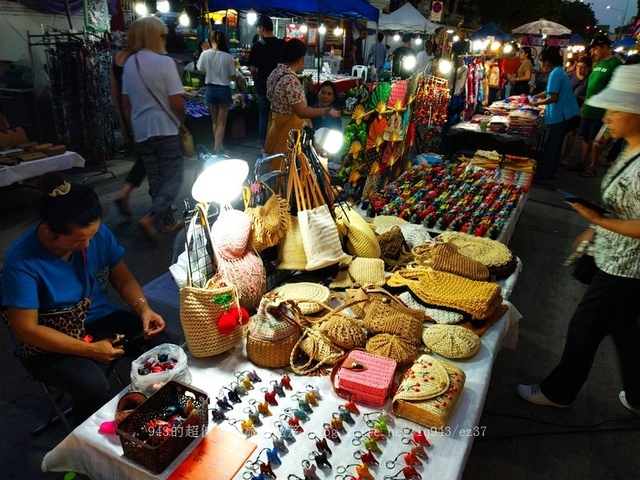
[429, 392]
[361, 240]
[201, 309]
[363, 377]
[451, 341]
[273, 332]
[269, 221]
[359, 271]
[291, 254]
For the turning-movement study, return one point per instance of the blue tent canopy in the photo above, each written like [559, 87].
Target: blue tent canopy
[626, 42]
[353, 9]
[577, 40]
[490, 30]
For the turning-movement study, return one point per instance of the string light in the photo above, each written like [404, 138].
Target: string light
[141, 9]
[163, 6]
[322, 29]
[304, 28]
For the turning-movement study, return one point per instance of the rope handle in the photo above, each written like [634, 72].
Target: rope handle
[306, 368]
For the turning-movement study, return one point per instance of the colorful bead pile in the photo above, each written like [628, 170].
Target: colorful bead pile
[157, 364]
[448, 197]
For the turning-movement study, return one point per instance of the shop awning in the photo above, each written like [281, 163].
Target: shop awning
[407, 19]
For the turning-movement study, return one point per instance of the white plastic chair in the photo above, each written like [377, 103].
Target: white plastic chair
[359, 71]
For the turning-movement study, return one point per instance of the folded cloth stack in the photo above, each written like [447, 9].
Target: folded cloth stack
[480, 299]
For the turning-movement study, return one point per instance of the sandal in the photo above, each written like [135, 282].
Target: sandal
[173, 227]
[589, 173]
[147, 225]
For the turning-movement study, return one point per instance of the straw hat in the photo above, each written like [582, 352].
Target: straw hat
[622, 93]
[305, 291]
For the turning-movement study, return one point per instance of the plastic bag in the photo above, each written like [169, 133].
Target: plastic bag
[142, 380]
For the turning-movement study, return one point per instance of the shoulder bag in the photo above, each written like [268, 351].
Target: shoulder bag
[186, 138]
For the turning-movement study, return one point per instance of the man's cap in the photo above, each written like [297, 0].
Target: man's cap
[601, 40]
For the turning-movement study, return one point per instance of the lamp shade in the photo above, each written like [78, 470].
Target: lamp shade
[220, 182]
[328, 140]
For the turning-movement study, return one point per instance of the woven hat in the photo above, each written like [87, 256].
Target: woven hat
[230, 233]
[361, 239]
[451, 341]
[360, 271]
[438, 315]
[305, 291]
[484, 250]
[622, 93]
[392, 346]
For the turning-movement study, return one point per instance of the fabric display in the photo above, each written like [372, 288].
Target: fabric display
[496, 256]
[437, 315]
[236, 263]
[448, 197]
[359, 271]
[479, 299]
[298, 291]
[269, 220]
[273, 332]
[451, 341]
[429, 392]
[364, 377]
[444, 257]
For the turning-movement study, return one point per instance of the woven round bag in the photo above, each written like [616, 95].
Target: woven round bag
[361, 239]
[451, 341]
[272, 332]
[305, 291]
[344, 331]
[392, 346]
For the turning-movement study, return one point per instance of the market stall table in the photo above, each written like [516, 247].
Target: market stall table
[34, 168]
[101, 456]
[343, 82]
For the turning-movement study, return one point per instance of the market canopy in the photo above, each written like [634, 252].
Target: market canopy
[326, 8]
[577, 40]
[624, 43]
[407, 19]
[490, 30]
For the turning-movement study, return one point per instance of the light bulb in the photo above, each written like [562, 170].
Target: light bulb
[252, 17]
[455, 38]
[396, 37]
[507, 48]
[495, 46]
[141, 9]
[418, 41]
[184, 19]
[409, 62]
[304, 28]
[444, 66]
[322, 30]
[477, 45]
[337, 31]
[163, 6]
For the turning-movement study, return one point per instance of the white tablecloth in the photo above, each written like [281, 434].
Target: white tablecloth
[34, 168]
[100, 456]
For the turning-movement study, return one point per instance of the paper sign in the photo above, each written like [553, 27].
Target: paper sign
[220, 455]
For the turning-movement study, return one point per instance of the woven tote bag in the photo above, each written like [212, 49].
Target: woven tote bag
[200, 310]
[269, 222]
[273, 332]
[361, 239]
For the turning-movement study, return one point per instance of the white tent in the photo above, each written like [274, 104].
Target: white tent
[407, 20]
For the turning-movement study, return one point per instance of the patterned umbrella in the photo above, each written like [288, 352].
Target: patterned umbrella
[542, 27]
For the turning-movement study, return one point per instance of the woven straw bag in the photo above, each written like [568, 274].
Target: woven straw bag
[199, 315]
[291, 254]
[392, 244]
[392, 346]
[360, 271]
[438, 315]
[451, 341]
[445, 257]
[247, 274]
[298, 291]
[273, 332]
[361, 239]
[269, 222]
[429, 392]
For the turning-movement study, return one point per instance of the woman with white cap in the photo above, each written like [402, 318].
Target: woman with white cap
[608, 306]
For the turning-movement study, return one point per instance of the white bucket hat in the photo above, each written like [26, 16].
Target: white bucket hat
[622, 93]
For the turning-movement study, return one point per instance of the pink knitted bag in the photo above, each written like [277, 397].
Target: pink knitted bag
[230, 233]
[247, 274]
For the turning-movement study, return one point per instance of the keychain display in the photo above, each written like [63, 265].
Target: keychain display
[362, 470]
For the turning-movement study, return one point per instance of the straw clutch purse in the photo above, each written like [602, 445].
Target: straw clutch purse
[429, 392]
[364, 377]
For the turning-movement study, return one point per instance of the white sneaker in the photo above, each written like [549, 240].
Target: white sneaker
[623, 400]
[532, 393]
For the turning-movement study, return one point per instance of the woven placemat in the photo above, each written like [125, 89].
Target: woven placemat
[305, 290]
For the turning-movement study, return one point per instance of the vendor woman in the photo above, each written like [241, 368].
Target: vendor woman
[289, 107]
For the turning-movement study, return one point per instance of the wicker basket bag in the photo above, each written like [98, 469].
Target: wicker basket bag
[273, 332]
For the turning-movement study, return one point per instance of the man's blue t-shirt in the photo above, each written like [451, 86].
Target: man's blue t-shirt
[566, 106]
[35, 278]
[327, 121]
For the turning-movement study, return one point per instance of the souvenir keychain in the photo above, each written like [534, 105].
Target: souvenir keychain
[246, 426]
[239, 388]
[297, 412]
[409, 458]
[309, 470]
[321, 444]
[263, 408]
[244, 380]
[418, 437]
[223, 403]
[369, 443]
[265, 468]
[331, 433]
[278, 388]
[366, 457]
[278, 442]
[362, 471]
[417, 449]
[285, 381]
[312, 397]
[254, 416]
[217, 415]
[408, 473]
[285, 431]
[345, 415]
[337, 423]
[270, 397]
[315, 391]
[320, 459]
[352, 407]
[253, 376]
[294, 422]
[303, 403]
[232, 394]
[380, 423]
[250, 476]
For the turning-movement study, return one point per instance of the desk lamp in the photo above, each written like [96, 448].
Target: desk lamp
[220, 182]
[328, 140]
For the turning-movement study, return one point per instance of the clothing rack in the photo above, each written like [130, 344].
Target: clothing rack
[83, 116]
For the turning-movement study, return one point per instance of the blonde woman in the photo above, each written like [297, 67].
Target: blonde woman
[153, 106]
[220, 70]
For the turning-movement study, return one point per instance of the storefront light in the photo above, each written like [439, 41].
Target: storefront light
[163, 6]
[184, 19]
[444, 66]
[409, 62]
[337, 31]
[304, 28]
[252, 17]
[322, 29]
[327, 140]
[396, 37]
[418, 41]
[141, 9]
[508, 48]
[455, 38]
[495, 46]
[477, 45]
[220, 182]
